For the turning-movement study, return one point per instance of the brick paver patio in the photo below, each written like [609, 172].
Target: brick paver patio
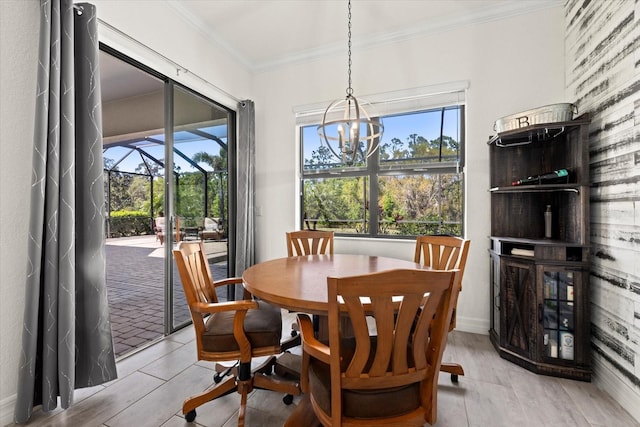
[135, 289]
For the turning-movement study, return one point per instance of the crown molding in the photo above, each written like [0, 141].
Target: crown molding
[209, 34]
[494, 13]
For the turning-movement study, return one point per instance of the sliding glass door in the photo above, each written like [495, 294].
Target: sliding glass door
[166, 173]
[199, 185]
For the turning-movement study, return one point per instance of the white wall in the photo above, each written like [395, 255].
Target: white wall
[601, 69]
[510, 65]
[19, 20]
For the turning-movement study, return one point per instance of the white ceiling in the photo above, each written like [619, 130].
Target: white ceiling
[264, 34]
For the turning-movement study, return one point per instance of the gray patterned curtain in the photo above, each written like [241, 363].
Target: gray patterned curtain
[246, 158]
[66, 340]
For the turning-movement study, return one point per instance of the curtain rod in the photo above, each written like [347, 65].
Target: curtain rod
[177, 66]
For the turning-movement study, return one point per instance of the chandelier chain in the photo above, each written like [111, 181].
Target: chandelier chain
[355, 137]
[349, 89]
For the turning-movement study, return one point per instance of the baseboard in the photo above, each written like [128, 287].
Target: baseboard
[6, 410]
[472, 325]
[607, 380]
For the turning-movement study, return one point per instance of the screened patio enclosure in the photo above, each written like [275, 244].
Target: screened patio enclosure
[134, 166]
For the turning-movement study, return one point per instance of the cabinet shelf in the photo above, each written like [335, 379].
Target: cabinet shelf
[534, 322]
[538, 188]
[535, 133]
[538, 242]
[540, 250]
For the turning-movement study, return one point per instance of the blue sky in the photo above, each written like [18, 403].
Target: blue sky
[425, 124]
[186, 142]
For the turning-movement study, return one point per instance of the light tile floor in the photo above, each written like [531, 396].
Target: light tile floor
[152, 384]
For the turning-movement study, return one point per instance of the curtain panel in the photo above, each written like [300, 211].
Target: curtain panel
[66, 341]
[245, 256]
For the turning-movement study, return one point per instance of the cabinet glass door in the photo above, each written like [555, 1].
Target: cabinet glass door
[557, 314]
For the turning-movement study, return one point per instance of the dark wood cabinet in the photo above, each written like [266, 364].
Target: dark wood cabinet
[540, 283]
[518, 317]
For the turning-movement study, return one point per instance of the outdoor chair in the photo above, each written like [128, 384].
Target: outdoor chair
[158, 225]
[212, 229]
[386, 374]
[230, 331]
[445, 253]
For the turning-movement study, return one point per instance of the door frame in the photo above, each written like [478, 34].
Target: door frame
[169, 185]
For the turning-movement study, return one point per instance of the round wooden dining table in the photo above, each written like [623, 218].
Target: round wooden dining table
[300, 283]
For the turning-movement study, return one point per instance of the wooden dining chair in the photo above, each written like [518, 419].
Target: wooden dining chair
[309, 242]
[444, 253]
[388, 374]
[229, 331]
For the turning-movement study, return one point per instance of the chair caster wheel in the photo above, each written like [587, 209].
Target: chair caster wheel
[190, 416]
[287, 399]
[217, 378]
[454, 378]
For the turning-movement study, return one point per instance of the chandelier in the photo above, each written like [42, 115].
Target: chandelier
[355, 136]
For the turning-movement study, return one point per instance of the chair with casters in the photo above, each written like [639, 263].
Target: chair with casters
[308, 242]
[230, 331]
[384, 371]
[444, 253]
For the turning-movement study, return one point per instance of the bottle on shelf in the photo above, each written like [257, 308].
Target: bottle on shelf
[544, 178]
[566, 345]
[547, 222]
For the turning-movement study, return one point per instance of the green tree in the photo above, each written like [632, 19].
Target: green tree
[116, 186]
[426, 202]
[322, 158]
[218, 163]
[217, 184]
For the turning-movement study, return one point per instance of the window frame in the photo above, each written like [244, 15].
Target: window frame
[374, 168]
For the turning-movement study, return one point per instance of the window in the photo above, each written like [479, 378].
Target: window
[415, 178]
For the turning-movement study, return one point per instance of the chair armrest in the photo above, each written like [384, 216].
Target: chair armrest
[228, 281]
[310, 344]
[233, 281]
[218, 307]
[240, 309]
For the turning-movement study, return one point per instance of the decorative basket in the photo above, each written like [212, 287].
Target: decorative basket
[553, 113]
